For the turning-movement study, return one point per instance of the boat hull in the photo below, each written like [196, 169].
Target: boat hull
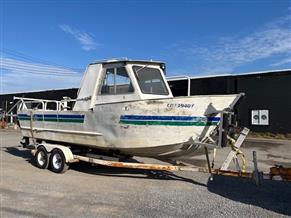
[151, 128]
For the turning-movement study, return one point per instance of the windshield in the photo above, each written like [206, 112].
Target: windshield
[150, 80]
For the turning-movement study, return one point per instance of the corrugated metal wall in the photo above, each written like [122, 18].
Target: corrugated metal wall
[268, 91]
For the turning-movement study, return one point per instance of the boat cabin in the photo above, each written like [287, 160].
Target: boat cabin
[108, 82]
[122, 80]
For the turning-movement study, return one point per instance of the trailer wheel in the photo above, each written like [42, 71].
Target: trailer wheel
[41, 158]
[58, 161]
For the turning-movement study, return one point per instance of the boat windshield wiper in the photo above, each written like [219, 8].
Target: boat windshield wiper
[136, 72]
[141, 68]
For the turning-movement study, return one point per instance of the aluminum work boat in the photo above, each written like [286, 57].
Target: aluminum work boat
[127, 107]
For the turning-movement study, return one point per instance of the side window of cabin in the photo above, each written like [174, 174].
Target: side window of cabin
[116, 81]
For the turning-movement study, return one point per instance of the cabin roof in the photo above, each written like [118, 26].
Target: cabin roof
[125, 61]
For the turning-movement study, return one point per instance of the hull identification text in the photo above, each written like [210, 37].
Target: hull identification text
[180, 105]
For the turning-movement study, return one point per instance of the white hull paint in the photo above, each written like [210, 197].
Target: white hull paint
[153, 128]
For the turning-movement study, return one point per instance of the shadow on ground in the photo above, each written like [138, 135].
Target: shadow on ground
[130, 173]
[16, 151]
[270, 195]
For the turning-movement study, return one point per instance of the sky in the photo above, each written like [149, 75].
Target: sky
[48, 44]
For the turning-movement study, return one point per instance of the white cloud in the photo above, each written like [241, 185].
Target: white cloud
[231, 52]
[18, 75]
[85, 39]
[286, 61]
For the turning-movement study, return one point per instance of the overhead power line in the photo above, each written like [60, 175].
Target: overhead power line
[25, 57]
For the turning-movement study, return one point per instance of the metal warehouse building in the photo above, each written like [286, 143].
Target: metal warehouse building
[266, 106]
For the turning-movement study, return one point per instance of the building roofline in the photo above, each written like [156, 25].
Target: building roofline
[182, 77]
[33, 91]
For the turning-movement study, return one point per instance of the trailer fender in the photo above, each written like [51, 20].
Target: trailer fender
[67, 151]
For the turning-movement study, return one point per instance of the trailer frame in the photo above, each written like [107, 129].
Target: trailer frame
[110, 161]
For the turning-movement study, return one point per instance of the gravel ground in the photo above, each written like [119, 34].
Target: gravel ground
[91, 191]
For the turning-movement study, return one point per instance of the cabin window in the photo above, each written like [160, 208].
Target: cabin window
[116, 81]
[150, 80]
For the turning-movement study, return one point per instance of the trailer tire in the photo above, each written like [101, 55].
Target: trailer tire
[41, 158]
[58, 161]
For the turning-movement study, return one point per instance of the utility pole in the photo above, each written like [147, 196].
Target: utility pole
[6, 107]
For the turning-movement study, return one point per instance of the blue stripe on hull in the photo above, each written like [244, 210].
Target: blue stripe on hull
[169, 118]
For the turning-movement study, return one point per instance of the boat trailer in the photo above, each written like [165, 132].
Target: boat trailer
[66, 156]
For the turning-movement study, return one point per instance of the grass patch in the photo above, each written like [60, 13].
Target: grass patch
[269, 135]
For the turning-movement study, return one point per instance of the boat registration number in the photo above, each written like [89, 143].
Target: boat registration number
[180, 105]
